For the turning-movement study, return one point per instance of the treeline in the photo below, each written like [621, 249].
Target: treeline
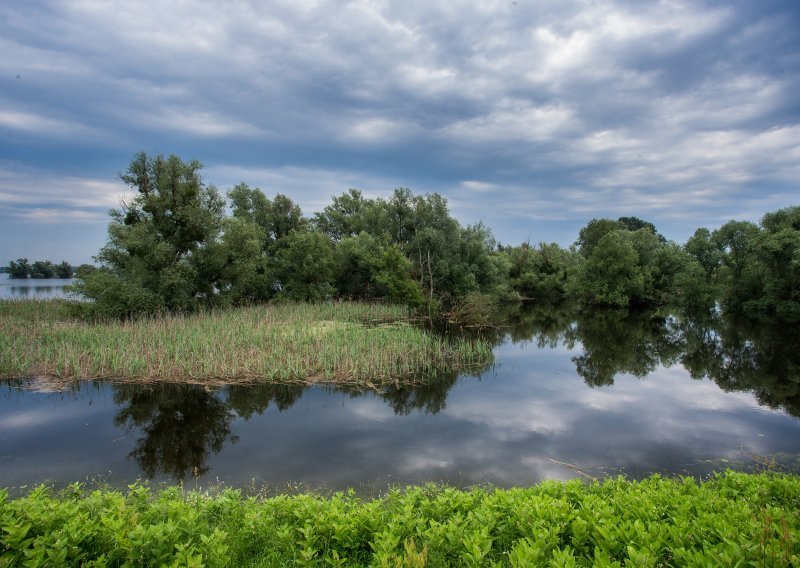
[21, 268]
[174, 247]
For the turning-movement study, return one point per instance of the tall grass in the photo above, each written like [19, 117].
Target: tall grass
[332, 342]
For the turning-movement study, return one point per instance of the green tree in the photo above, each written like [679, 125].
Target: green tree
[43, 269]
[160, 248]
[776, 250]
[245, 273]
[635, 224]
[366, 268]
[611, 275]
[595, 230]
[64, 270]
[345, 217]
[705, 251]
[738, 275]
[19, 268]
[276, 217]
[541, 272]
[305, 266]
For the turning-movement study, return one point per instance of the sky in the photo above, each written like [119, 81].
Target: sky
[531, 116]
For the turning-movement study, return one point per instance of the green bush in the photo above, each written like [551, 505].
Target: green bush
[733, 519]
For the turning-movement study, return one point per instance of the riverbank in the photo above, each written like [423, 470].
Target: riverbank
[732, 518]
[341, 343]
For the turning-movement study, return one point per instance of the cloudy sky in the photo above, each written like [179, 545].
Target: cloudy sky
[533, 116]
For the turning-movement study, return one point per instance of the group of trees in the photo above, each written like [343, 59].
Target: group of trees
[21, 268]
[174, 246]
[748, 268]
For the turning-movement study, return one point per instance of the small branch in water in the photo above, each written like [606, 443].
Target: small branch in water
[572, 467]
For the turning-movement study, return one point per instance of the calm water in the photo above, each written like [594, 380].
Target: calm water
[31, 288]
[567, 396]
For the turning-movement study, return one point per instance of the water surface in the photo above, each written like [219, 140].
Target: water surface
[33, 288]
[567, 396]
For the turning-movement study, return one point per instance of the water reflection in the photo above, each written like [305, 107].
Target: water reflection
[41, 288]
[180, 426]
[617, 391]
[758, 357]
[738, 355]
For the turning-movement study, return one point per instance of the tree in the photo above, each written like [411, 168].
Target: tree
[776, 249]
[160, 244]
[276, 217]
[366, 268]
[705, 251]
[541, 272]
[738, 275]
[612, 274]
[19, 268]
[64, 270]
[43, 269]
[304, 266]
[344, 217]
[635, 224]
[595, 230]
[245, 274]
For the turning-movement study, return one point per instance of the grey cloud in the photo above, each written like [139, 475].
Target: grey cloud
[572, 110]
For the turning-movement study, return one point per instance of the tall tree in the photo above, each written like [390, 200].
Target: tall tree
[160, 243]
[64, 270]
[19, 268]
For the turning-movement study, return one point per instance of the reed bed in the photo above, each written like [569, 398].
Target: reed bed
[361, 343]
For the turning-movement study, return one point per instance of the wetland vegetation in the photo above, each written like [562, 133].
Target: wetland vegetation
[342, 342]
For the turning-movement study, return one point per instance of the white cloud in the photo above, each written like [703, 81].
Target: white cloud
[672, 110]
[40, 195]
[311, 188]
[46, 126]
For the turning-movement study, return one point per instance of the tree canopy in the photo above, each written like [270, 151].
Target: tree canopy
[177, 246]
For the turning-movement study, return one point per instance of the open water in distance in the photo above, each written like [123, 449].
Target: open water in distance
[33, 288]
[568, 395]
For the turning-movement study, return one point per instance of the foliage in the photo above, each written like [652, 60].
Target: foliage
[173, 249]
[158, 254]
[628, 263]
[305, 266]
[277, 217]
[21, 268]
[777, 252]
[336, 342]
[730, 519]
[541, 273]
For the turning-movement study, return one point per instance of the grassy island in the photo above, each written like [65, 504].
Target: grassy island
[294, 342]
[733, 519]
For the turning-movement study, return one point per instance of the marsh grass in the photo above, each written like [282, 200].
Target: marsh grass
[358, 343]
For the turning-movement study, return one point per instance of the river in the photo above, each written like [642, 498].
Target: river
[569, 395]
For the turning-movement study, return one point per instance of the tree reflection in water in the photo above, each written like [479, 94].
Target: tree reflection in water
[182, 425]
[738, 355]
